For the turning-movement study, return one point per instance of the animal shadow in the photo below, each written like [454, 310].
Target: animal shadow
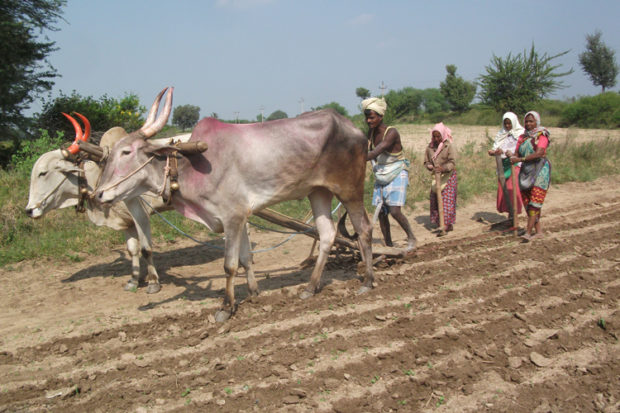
[195, 255]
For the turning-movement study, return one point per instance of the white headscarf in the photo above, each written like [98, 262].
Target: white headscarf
[501, 139]
[379, 105]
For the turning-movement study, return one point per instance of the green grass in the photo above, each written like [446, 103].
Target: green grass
[64, 235]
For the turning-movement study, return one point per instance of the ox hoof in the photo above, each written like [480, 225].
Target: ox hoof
[363, 289]
[305, 294]
[153, 288]
[131, 286]
[222, 315]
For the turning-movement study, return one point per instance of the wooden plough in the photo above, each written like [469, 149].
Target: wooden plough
[379, 253]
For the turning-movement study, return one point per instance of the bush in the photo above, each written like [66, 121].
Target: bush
[103, 113]
[29, 151]
[600, 111]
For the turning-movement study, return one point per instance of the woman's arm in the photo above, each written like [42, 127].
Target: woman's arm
[449, 162]
[541, 151]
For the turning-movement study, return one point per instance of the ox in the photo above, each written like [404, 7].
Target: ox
[55, 184]
[247, 168]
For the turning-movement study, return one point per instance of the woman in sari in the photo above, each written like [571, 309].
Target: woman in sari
[506, 141]
[535, 173]
[440, 156]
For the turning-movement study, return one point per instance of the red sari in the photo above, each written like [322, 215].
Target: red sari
[502, 200]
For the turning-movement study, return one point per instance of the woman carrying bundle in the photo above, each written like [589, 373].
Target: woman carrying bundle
[440, 157]
[506, 141]
[535, 173]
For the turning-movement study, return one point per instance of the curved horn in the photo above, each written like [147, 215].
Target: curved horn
[153, 111]
[74, 148]
[86, 126]
[151, 129]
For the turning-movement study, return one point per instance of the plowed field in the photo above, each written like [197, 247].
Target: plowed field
[475, 321]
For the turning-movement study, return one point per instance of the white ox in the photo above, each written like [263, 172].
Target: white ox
[54, 185]
[247, 168]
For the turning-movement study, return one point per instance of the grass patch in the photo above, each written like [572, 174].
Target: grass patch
[64, 235]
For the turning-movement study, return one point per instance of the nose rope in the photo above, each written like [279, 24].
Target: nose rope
[123, 179]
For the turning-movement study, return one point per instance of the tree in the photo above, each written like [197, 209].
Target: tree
[102, 113]
[185, 116]
[362, 93]
[278, 114]
[599, 62]
[334, 105]
[24, 72]
[401, 103]
[433, 101]
[458, 92]
[517, 82]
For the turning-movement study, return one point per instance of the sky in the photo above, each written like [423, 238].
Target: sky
[236, 57]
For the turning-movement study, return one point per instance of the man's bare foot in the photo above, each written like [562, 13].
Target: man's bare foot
[537, 236]
[526, 237]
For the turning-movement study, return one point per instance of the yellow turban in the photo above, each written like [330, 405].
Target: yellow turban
[377, 104]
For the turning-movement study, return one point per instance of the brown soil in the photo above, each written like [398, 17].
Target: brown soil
[475, 321]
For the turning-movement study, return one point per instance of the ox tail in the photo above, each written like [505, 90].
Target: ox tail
[343, 229]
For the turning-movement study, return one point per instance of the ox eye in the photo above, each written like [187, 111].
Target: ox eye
[42, 173]
[125, 152]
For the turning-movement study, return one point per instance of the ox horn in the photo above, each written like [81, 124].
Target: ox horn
[80, 143]
[79, 135]
[152, 125]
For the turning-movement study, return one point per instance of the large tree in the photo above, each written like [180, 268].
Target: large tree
[24, 71]
[599, 62]
[517, 82]
[185, 116]
[458, 92]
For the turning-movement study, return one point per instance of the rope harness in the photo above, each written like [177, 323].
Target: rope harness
[126, 177]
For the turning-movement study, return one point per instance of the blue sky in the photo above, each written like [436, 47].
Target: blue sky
[229, 56]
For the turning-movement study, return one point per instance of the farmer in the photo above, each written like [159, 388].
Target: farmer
[440, 156]
[506, 141]
[535, 173]
[390, 168]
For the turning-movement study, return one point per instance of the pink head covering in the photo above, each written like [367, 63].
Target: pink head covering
[446, 135]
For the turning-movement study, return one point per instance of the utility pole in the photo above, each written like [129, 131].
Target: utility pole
[262, 116]
[382, 87]
[301, 105]
[236, 117]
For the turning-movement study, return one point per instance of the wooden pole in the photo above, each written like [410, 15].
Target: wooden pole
[515, 224]
[502, 183]
[296, 225]
[442, 230]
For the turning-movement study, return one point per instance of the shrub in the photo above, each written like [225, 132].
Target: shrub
[29, 151]
[103, 113]
[600, 111]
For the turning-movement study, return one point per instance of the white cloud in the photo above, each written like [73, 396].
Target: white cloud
[361, 20]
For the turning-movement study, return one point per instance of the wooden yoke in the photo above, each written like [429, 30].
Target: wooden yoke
[191, 148]
[95, 152]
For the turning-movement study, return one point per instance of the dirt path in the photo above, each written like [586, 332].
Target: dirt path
[476, 321]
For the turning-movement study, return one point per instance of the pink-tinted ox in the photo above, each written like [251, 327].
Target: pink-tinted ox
[246, 168]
